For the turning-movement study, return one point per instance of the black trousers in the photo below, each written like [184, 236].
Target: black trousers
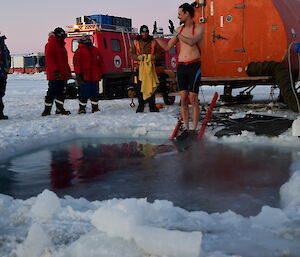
[55, 91]
[3, 81]
[142, 102]
[138, 85]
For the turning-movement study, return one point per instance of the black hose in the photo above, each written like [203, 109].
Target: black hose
[281, 77]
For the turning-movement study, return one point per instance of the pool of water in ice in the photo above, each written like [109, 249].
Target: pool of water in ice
[211, 177]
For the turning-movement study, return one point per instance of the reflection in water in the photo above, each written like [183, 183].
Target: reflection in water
[87, 160]
[209, 177]
[248, 177]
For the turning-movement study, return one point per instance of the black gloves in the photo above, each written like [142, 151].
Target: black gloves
[56, 75]
[79, 79]
[172, 29]
[154, 30]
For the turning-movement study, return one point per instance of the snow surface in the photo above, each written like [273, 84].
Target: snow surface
[48, 226]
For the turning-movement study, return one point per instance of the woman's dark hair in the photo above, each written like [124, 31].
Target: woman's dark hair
[186, 7]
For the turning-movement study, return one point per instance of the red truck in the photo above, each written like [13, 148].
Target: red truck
[114, 36]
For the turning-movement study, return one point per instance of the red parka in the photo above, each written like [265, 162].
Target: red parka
[88, 63]
[56, 59]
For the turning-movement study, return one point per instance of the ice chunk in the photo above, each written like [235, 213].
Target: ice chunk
[125, 223]
[290, 191]
[269, 218]
[46, 205]
[163, 242]
[36, 243]
[140, 132]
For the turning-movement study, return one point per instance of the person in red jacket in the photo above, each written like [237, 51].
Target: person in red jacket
[87, 64]
[57, 70]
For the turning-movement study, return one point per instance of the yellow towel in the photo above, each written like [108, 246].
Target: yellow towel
[148, 76]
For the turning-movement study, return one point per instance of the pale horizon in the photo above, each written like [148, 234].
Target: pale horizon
[27, 24]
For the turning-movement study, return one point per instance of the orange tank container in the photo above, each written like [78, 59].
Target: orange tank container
[238, 32]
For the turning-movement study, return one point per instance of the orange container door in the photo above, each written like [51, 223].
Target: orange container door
[228, 31]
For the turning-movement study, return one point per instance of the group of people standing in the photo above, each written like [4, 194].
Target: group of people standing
[88, 68]
[88, 65]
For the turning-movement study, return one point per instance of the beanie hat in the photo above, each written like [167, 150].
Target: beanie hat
[59, 32]
[84, 38]
[144, 28]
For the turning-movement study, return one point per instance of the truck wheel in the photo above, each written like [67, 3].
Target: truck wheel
[168, 100]
[281, 77]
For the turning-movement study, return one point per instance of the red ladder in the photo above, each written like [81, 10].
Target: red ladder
[205, 121]
[207, 116]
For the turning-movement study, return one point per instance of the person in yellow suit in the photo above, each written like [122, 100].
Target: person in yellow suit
[144, 51]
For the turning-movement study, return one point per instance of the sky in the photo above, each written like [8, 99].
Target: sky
[27, 23]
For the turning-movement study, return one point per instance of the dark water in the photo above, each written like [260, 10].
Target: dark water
[210, 177]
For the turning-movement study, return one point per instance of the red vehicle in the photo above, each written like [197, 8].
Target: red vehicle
[114, 42]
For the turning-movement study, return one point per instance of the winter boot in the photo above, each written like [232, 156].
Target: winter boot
[153, 109]
[3, 117]
[152, 106]
[62, 112]
[95, 107]
[47, 110]
[141, 105]
[82, 105]
[140, 108]
[81, 109]
[60, 108]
